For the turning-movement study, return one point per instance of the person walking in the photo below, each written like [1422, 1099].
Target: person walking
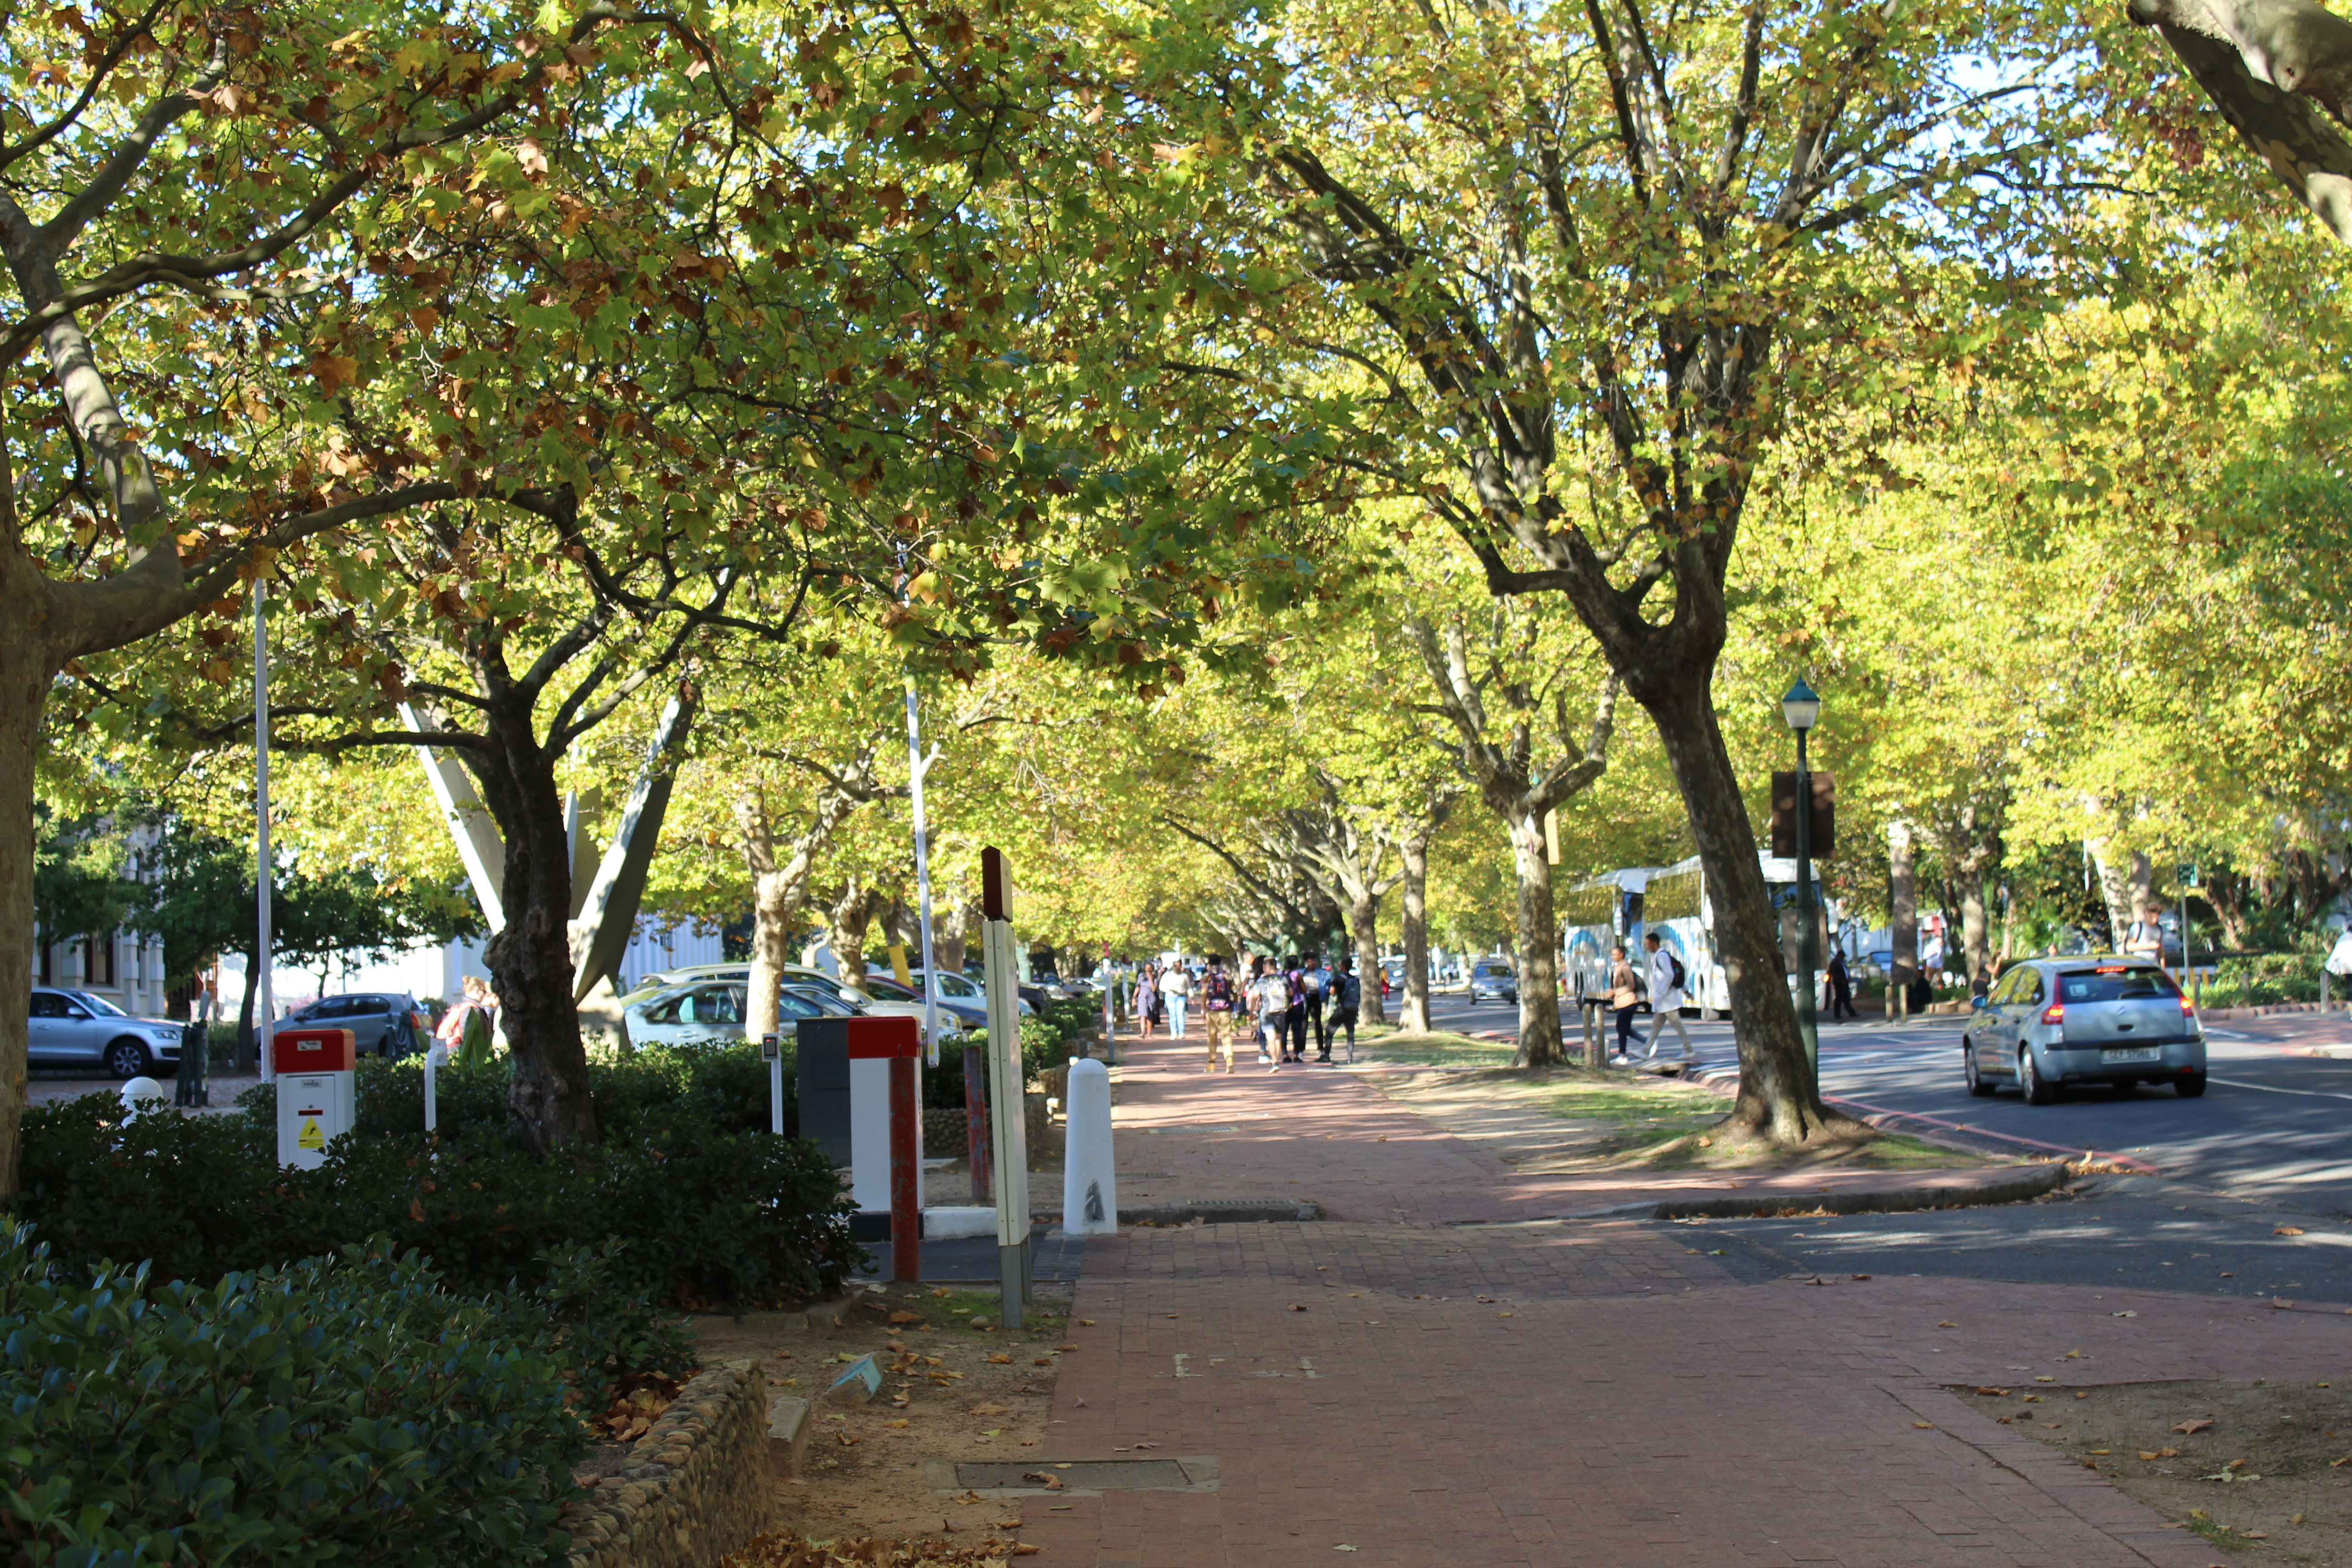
[1217, 1007]
[1293, 1011]
[1318, 992]
[1176, 994]
[1666, 979]
[1624, 995]
[1273, 1013]
[1147, 1001]
[1347, 995]
[1841, 988]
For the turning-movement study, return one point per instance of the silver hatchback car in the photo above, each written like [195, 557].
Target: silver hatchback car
[2112, 1021]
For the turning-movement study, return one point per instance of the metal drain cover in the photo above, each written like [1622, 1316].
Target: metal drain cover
[1026, 1478]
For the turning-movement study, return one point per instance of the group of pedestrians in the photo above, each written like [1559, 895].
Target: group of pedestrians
[1287, 1002]
[1665, 982]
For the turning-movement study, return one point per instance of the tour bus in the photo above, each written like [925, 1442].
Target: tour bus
[1619, 908]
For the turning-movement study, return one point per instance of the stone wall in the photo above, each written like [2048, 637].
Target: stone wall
[700, 1485]
[943, 1129]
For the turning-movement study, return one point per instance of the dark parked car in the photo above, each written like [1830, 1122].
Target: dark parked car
[380, 1024]
[75, 1028]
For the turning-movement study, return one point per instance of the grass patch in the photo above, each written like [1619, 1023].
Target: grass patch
[1436, 1048]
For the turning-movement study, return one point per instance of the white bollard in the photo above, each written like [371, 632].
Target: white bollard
[436, 1055]
[145, 1094]
[1089, 1179]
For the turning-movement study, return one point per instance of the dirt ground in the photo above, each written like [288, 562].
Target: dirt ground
[948, 1391]
[2265, 1471]
[1573, 1119]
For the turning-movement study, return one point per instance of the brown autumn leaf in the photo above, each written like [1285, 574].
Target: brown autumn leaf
[906, 1317]
[1042, 1360]
[2288, 1230]
[1924, 1426]
[1296, 1307]
[2189, 1428]
[1992, 1393]
[1000, 1359]
[846, 1440]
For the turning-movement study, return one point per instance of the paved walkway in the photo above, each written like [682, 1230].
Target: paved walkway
[1589, 1392]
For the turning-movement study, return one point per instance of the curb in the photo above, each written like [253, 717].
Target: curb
[2271, 1010]
[2029, 1181]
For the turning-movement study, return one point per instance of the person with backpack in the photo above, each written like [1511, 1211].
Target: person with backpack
[1347, 995]
[1217, 1007]
[1317, 981]
[1667, 982]
[1272, 996]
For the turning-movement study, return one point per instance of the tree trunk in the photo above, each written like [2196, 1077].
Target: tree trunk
[1364, 928]
[1778, 1095]
[851, 914]
[2115, 888]
[24, 686]
[779, 893]
[2226, 891]
[1975, 930]
[1903, 908]
[1539, 955]
[248, 1038]
[530, 959]
[1414, 896]
[951, 935]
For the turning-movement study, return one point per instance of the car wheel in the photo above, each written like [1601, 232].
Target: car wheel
[1978, 1085]
[127, 1058]
[2038, 1090]
[2191, 1087]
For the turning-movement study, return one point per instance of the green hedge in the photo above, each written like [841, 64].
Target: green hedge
[2264, 978]
[701, 1206]
[344, 1411]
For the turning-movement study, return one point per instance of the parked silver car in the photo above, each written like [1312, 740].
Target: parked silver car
[382, 1024]
[75, 1028]
[2105, 1020]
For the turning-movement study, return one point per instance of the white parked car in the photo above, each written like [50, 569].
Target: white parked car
[712, 1011]
[961, 992]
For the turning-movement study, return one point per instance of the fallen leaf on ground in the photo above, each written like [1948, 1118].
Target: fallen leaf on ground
[1924, 1426]
[1862, 1275]
[894, 1422]
[2191, 1428]
[1947, 1323]
[1000, 1359]
[847, 1441]
[1991, 1392]
[2288, 1230]
[1051, 1483]
[906, 1317]
[1042, 1360]
[1089, 1323]
[1296, 1307]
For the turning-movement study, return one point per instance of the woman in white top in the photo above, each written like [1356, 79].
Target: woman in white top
[1665, 996]
[1175, 992]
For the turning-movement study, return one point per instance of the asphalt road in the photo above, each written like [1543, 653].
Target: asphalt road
[2265, 1151]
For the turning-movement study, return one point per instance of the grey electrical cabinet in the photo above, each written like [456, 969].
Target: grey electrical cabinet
[823, 1048]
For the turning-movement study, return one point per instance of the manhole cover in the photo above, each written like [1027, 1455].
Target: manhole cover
[1121, 1475]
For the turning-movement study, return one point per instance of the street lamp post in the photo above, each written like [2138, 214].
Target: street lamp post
[1802, 708]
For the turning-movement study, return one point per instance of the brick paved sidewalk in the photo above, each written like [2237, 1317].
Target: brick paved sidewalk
[1587, 1392]
[1185, 1136]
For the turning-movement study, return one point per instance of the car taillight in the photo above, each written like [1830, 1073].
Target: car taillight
[2054, 1013]
[2188, 1008]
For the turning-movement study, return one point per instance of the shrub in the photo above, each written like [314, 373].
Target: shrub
[2262, 978]
[697, 1216]
[1042, 1046]
[336, 1411]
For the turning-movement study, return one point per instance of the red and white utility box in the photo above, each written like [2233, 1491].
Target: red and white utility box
[317, 1100]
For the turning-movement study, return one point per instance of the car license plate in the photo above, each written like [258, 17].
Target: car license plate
[2136, 1054]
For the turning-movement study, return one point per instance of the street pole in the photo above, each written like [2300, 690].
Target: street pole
[261, 879]
[1808, 1018]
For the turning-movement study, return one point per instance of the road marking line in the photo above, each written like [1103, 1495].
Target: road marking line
[2273, 1089]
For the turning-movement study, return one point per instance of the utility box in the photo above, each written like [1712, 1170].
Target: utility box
[318, 1099]
[845, 1095]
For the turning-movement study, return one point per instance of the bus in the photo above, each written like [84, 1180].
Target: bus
[1672, 901]
[1596, 915]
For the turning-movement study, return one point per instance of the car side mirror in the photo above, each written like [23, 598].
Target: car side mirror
[75, 1013]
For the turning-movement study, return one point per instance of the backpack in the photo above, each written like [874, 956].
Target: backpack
[1681, 980]
[1217, 991]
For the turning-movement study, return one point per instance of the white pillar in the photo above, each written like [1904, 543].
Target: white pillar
[1089, 1177]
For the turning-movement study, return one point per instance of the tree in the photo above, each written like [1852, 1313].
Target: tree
[79, 888]
[191, 178]
[1501, 723]
[1590, 261]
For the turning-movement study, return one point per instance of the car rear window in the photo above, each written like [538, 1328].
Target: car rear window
[2115, 983]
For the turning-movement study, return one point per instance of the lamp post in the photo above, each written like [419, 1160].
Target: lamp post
[1802, 708]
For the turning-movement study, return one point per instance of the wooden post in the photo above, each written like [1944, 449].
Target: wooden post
[906, 1174]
